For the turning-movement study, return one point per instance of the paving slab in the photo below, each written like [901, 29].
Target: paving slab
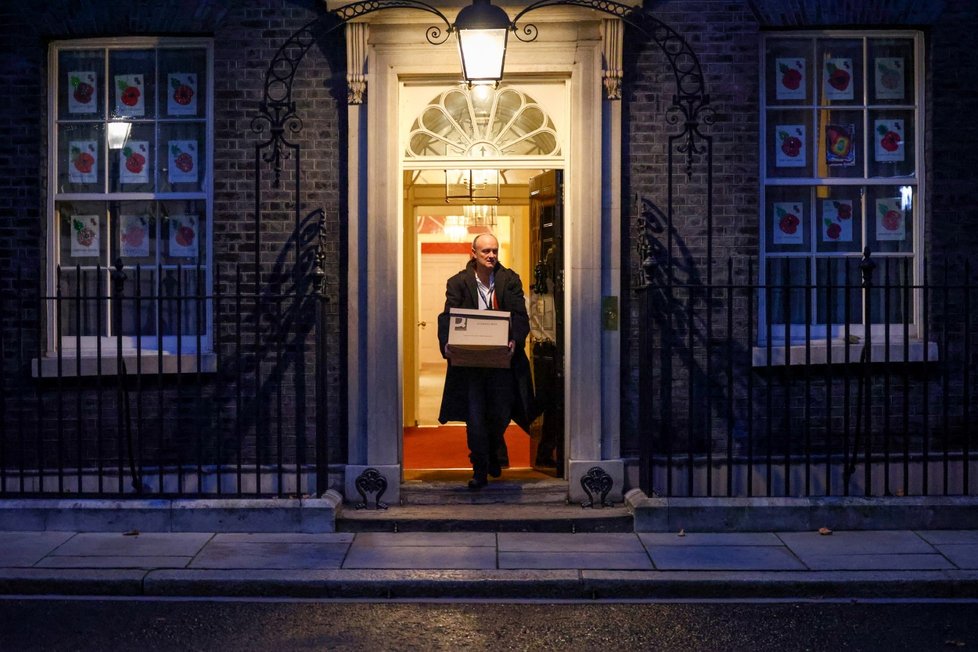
[270, 555]
[420, 557]
[580, 560]
[963, 556]
[939, 537]
[855, 543]
[109, 544]
[723, 558]
[606, 543]
[28, 548]
[710, 539]
[434, 539]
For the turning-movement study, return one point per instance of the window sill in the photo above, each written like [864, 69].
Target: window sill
[818, 352]
[148, 364]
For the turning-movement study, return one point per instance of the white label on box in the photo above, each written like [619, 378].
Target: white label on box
[478, 327]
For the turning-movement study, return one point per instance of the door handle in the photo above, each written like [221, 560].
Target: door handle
[422, 324]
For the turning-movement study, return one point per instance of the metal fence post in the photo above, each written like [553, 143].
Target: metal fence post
[864, 399]
[322, 424]
[647, 268]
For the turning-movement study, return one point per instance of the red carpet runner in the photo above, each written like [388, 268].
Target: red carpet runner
[444, 448]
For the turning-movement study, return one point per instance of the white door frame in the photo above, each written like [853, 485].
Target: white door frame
[397, 51]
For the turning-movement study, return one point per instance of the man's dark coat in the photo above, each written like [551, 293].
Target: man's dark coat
[461, 292]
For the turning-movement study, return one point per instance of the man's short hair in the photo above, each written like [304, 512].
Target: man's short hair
[475, 240]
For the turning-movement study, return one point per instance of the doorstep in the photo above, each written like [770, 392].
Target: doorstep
[449, 487]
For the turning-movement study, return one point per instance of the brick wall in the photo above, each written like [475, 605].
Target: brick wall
[247, 35]
[725, 38]
[723, 34]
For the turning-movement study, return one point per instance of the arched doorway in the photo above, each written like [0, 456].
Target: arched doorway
[501, 131]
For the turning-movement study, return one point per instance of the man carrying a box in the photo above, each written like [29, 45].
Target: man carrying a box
[487, 397]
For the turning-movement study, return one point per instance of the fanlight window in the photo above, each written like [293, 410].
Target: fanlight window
[483, 123]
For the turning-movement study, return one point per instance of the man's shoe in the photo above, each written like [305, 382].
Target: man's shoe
[478, 483]
[495, 470]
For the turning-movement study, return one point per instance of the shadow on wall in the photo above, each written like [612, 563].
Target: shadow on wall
[681, 309]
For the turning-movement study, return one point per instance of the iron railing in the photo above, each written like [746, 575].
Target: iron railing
[221, 393]
[179, 390]
[880, 403]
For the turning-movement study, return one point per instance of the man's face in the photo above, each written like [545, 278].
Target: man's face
[486, 252]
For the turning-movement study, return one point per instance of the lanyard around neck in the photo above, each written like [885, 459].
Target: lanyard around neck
[487, 297]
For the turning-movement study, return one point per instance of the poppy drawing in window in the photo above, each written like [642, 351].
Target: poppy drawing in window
[840, 147]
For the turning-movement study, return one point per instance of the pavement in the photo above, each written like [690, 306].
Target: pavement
[475, 565]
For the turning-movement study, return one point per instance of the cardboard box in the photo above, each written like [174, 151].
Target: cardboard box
[479, 338]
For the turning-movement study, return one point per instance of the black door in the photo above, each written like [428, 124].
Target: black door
[547, 320]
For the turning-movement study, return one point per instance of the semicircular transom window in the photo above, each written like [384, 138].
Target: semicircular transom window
[502, 123]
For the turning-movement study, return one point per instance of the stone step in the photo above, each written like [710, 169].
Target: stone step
[546, 491]
[486, 518]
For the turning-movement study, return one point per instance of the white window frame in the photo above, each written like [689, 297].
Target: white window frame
[88, 346]
[819, 333]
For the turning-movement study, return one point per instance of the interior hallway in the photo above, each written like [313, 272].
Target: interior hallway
[429, 446]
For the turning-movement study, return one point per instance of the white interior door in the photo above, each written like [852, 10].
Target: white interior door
[434, 271]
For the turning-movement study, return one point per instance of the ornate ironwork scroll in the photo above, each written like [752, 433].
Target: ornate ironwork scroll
[276, 112]
[690, 103]
[596, 482]
[371, 481]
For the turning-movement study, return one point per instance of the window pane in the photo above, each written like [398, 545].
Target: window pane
[131, 166]
[160, 95]
[137, 302]
[840, 151]
[180, 302]
[839, 295]
[80, 163]
[839, 219]
[839, 110]
[508, 104]
[789, 64]
[788, 219]
[840, 71]
[81, 85]
[789, 143]
[888, 296]
[892, 69]
[890, 218]
[82, 305]
[82, 233]
[183, 76]
[183, 167]
[134, 232]
[787, 279]
[132, 76]
[891, 144]
[184, 232]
